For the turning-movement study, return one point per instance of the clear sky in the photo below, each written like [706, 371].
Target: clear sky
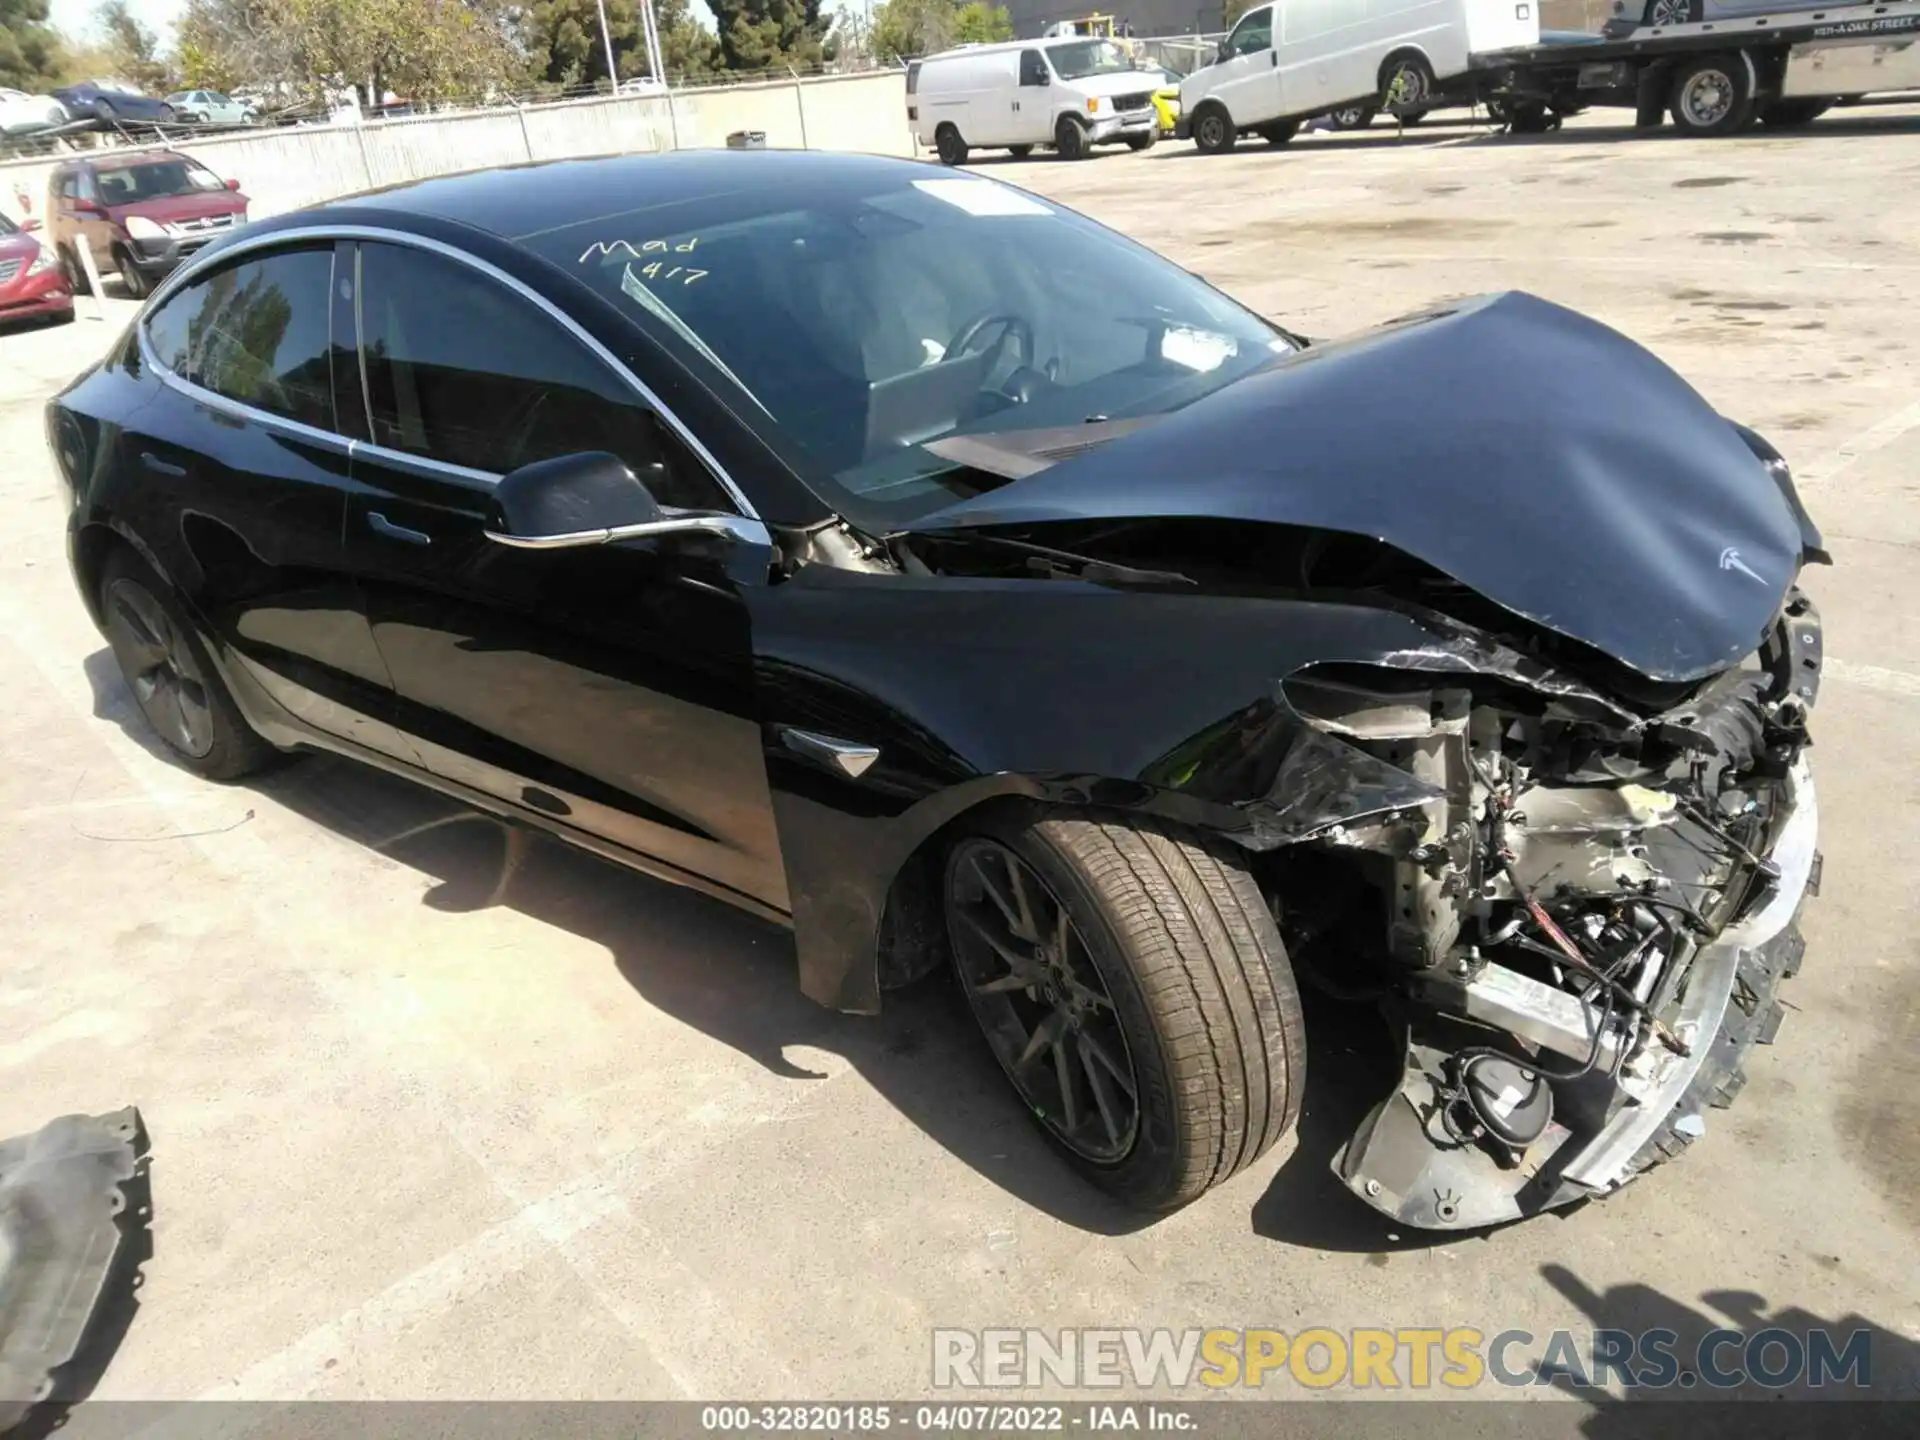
[76, 16]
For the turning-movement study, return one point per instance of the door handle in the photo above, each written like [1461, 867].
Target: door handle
[383, 526]
[162, 467]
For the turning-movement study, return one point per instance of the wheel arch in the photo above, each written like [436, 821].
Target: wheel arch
[860, 935]
[1394, 56]
[94, 543]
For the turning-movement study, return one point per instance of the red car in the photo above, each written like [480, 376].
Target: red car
[31, 283]
[140, 214]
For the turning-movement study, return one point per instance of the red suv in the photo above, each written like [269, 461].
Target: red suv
[140, 214]
[30, 280]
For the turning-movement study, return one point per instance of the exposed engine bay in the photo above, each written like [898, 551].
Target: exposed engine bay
[1578, 922]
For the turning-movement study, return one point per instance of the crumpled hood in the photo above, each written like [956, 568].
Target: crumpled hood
[1532, 454]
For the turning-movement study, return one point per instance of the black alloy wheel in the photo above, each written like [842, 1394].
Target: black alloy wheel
[160, 668]
[1041, 1003]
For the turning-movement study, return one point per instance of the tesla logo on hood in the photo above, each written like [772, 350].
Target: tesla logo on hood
[1730, 560]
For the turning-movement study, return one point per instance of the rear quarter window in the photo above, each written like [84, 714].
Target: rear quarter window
[258, 332]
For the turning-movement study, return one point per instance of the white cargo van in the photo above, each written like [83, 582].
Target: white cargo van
[1292, 59]
[1071, 94]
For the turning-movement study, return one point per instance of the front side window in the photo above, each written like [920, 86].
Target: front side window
[1253, 34]
[155, 180]
[871, 313]
[1077, 59]
[462, 370]
[1033, 68]
[258, 332]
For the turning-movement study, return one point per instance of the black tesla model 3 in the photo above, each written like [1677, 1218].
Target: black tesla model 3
[907, 559]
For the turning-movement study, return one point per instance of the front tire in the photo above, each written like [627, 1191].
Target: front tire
[131, 275]
[1213, 132]
[949, 146]
[1352, 117]
[1020, 152]
[1131, 981]
[171, 679]
[1070, 139]
[1279, 132]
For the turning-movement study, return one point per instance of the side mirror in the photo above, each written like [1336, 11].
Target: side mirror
[27, 227]
[233, 184]
[1223, 54]
[593, 498]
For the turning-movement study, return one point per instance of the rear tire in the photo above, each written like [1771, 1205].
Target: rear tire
[1020, 152]
[1147, 141]
[1672, 12]
[1279, 132]
[1406, 82]
[1352, 117]
[76, 272]
[949, 146]
[1172, 980]
[1711, 96]
[170, 677]
[1070, 139]
[1788, 114]
[1213, 131]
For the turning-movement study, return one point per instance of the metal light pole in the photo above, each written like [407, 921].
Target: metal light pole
[606, 34]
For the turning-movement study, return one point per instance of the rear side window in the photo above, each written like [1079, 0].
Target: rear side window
[461, 369]
[258, 332]
[913, 77]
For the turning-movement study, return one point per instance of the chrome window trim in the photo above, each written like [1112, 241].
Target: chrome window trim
[266, 419]
[185, 275]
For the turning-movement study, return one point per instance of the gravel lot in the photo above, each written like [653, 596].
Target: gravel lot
[422, 1133]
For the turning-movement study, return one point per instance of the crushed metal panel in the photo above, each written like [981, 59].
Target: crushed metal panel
[62, 1191]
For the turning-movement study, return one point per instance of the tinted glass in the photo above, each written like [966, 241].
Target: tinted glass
[1077, 59]
[1252, 34]
[1033, 69]
[7, 226]
[155, 180]
[461, 369]
[870, 312]
[257, 332]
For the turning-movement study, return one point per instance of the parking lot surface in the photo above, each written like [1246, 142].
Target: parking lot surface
[434, 1116]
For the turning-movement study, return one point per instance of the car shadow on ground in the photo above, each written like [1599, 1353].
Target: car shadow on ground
[1787, 1344]
[727, 974]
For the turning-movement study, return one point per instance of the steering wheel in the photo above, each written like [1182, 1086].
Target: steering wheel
[968, 334]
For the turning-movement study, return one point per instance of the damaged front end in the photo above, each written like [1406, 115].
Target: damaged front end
[1577, 911]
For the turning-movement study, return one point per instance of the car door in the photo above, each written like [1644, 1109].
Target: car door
[1032, 122]
[608, 688]
[1324, 55]
[1247, 82]
[240, 476]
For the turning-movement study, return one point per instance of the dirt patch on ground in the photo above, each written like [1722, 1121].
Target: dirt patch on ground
[1414, 227]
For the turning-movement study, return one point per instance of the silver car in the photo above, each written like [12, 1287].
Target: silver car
[1689, 12]
[210, 107]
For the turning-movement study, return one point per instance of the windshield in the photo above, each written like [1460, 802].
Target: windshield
[7, 227]
[1077, 59]
[155, 180]
[871, 319]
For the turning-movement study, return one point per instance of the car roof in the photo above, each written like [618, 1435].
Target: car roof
[138, 157]
[518, 202]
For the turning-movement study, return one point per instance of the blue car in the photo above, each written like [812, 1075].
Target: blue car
[109, 101]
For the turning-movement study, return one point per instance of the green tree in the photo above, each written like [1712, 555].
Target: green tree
[906, 28]
[132, 50]
[426, 50]
[1231, 12]
[564, 46]
[30, 49]
[770, 34]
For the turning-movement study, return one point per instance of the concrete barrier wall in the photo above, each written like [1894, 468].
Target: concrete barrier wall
[284, 169]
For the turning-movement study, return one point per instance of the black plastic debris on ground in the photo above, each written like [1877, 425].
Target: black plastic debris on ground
[73, 1232]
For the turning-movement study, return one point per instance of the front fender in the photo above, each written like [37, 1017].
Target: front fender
[973, 690]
